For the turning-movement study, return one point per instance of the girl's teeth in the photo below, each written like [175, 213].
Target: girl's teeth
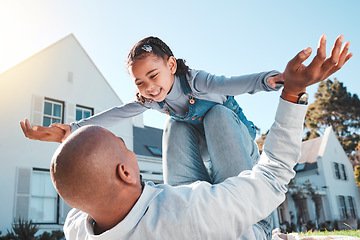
[154, 94]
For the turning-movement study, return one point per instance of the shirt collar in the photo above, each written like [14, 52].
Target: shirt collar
[176, 91]
[133, 218]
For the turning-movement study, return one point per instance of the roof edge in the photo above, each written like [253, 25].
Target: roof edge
[51, 45]
[324, 141]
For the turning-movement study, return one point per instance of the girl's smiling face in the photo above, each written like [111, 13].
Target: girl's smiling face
[153, 76]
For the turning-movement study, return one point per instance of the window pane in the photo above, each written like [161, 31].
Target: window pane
[37, 185]
[57, 110]
[337, 171]
[343, 207]
[43, 201]
[54, 120]
[46, 121]
[78, 114]
[344, 176]
[352, 207]
[154, 151]
[36, 211]
[49, 189]
[87, 114]
[49, 211]
[47, 108]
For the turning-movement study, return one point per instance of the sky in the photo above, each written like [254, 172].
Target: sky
[226, 37]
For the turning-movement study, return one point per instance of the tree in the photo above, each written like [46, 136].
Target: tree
[299, 193]
[335, 106]
[261, 140]
[357, 175]
[355, 157]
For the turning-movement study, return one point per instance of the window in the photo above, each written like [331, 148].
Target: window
[299, 167]
[281, 213]
[352, 207]
[337, 170]
[154, 151]
[340, 171]
[342, 207]
[36, 198]
[53, 112]
[343, 170]
[83, 112]
[43, 198]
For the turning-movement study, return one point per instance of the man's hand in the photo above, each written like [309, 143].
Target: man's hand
[65, 127]
[49, 134]
[297, 76]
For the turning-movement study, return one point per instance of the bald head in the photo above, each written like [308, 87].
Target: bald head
[85, 168]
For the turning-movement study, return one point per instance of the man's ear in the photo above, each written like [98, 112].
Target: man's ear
[172, 64]
[125, 174]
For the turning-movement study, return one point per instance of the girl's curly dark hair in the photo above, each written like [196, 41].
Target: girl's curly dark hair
[159, 49]
[155, 46]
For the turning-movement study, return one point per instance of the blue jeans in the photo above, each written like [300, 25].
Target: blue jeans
[229, 145]
[226, 138]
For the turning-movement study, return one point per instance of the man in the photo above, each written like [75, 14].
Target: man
[95, 173]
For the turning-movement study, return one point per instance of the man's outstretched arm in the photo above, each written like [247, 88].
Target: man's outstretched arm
[239, 202]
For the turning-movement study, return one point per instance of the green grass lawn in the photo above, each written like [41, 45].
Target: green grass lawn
[353, 233]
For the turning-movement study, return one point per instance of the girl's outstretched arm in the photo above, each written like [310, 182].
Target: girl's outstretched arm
[49, 134]
[58, 132]
[236, 85]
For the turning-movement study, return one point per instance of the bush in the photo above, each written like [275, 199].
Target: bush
[290, 227]
[24, 230]
[45, 236]
[8, 236]
[325, 226]
[57, 235]
[310, 226]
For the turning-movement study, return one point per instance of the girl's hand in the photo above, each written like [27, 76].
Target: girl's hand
[36, 132]
[273, 80]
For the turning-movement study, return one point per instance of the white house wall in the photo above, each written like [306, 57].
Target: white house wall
[151, 168]
[46, 75]
[314, 176]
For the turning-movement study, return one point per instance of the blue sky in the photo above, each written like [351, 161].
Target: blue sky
[221, 37]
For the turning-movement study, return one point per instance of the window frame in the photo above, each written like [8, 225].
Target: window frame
[336, 170]
[342, 207]
[57, 199]
[343, 172]
[81, 107]
[352, 207]
[281, 213]
[155, 151]
[53, 101]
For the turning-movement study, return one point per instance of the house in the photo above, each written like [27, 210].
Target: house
[148, 149]
[324, 188]
[58, 84]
